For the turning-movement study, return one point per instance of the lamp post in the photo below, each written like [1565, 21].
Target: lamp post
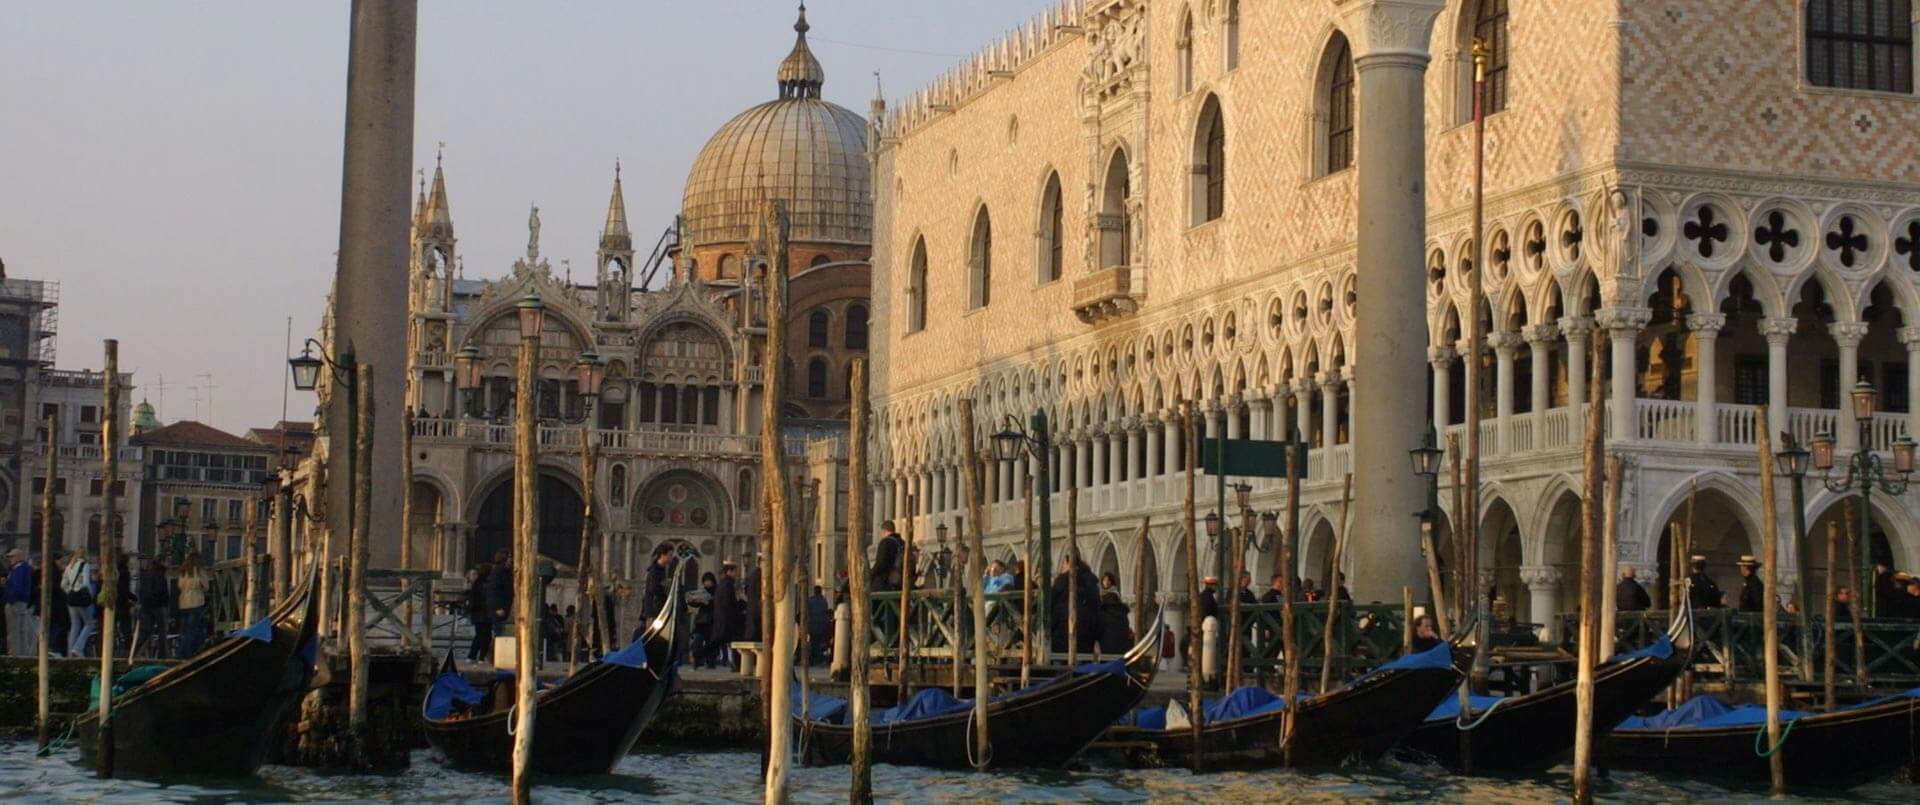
[1864, 472]
[1426, 464]
[306, 377]
[942, 556]
[1790, 461]
[1035, 441]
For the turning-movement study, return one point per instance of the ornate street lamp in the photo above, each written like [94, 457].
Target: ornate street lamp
[1009, 445]
[1865, 472]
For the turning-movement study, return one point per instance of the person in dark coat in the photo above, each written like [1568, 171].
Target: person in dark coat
[726, 611]
[885, 574]
[655, 595]
[1272, 595]
[500, 592]
[1629, 595]
[819, 626]
[1842, 604]
[1426, 633]
[750, 589]
[701, 602]
[153, 594]
[1753, 591]
[1115, 636]
[1209, 600]
[1702, 593]
[1887, 590]
[479, 614]
[1086, 608]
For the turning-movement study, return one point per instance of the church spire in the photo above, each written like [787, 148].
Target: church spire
[614, 236]
[439, 216]
[800, 73]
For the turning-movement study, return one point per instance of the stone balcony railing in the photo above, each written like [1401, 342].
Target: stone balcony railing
[485, 434]
[1109, 293]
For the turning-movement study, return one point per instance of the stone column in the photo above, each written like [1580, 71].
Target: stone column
[1778, 332]
[1441, 359]
[1910, 336]
[1303, 408]
[370, 295]
[1623, 329]
[1330, 409]
[1847, 335]
[1231, 413]
[1577, 330]
[1083, 460]
[1503, 344]
[1543, 594]
[1262, 412]
[1153, 434]
[1101, 467]
[1540, 341]
[1136, 433]
[1706, 395]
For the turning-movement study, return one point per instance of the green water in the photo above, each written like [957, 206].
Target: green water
[716, 777]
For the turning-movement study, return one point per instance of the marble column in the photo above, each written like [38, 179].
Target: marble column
[1623, 333]
[1577, 331]
[1330, 409]
[1441, 359]
[1303, 408]
[1101, 465]
[1503, 344]
[1231, 412]
[1777, 332]
[1153, 434]
[1706, 377]
[1847, 335]
[1540, 341]
[1543, 595]
[1136, 433]
[1910, 337]
[1262, 413]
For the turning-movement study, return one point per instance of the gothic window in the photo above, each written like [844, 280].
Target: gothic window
[1184, 76]
[819, 323]
[917, 288]
[1860, 44]
[817, 378]
[1209, 165]
[1490, 27]
[856, 336]
[648, 397]
[980, 263]
[1336, 106]
[1232, 38]
[1115, 235]
[1052, 233]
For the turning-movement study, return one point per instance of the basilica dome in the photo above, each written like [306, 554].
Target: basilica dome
[797, 148]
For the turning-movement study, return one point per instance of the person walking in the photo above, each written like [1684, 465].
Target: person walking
[727, 613]
[478, 614]
[655, 595]
[500, 592]
[1629, 595]
[192, 606]
[701, 602]
[23, 629]
[153, 592]
[1753, 591]
[819, 626]
[1085, 609]
[78, 593]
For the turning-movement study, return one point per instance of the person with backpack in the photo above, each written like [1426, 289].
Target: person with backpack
[77, 592]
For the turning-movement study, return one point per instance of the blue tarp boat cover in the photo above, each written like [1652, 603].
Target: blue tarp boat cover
[1253, 701]
[448, 688]
[933, 702]
[1450, 708]
[1659, 650]
[633, 656]
[928, 703]
[821, 708]
[1704, 712]
[261, 630]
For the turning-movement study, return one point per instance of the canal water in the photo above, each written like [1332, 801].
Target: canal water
[727, 777]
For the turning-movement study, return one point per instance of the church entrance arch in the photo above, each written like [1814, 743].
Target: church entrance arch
[561, 518]
[684, 507]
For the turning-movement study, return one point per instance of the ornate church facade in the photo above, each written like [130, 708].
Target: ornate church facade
[677, 422]
[1721, 192]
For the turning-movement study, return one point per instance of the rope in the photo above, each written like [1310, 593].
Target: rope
[1461, 720]
[1760, 738]
[973, 718]
[511, 721]
[59, 743]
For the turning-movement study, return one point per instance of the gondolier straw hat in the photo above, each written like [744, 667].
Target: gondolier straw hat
[1698, 559]
[1210, 580]
[1747, 560]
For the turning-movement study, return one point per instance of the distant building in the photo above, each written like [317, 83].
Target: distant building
[75, 402]
[28, 321]
[200, 481]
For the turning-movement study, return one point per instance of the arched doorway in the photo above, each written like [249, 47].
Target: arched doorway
[1885, 548]
[1720, 533]
[561, 518]
[423, 526]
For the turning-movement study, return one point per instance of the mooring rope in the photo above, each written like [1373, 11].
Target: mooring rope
[1461, 720]
[1760, 738]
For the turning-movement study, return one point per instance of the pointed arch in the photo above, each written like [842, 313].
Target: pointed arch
[1333, 107]
[1207, 184]
[980, 261]
[1052, 235]
[917, 287]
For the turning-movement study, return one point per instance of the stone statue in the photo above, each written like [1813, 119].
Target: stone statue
[533, 234]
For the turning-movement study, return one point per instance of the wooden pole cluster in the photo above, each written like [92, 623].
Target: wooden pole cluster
[1830, 694]
[1590, 526]
[586, 593]
[901, 680]
[859, 699]
[1073, 574]
[1026, 584]
[780, 631]
[358, 551]
[1609, 557]
[1769, 611]
[1333, 598]
[1194, 711]
[976, 571]
[109, 545]
[1429, 543]
[1859, 606]
[44, 714]
[1237, 542]
[526, 581]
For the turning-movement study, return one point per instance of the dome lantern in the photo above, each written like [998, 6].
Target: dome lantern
[800, 73]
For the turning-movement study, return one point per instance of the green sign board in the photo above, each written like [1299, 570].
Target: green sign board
[1245, 458]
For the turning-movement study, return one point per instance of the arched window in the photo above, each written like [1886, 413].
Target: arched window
[1231, 41]
[856, 327]
[1336, 106]
[728, 266]
[817, 378]
[743, 495]
[980, 262]
[917, 288]
[1860, 44]
[1115, 206]
[1183, 77]
[1490, 27]
[818, 261]
[1209, 180]
[819, 323]
[1052, 231]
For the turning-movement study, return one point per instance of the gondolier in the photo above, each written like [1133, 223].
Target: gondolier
[1701, 591]
[1753, 591]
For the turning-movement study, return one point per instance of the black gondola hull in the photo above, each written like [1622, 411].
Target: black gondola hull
[1352, 724]
[585, 726]
[1832, 750]
[214, 714]
[1535, 732]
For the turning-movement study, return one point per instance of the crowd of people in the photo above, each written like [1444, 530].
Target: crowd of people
[162, 611]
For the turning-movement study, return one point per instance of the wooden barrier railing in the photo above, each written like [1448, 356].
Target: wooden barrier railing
[399, 604]
[1730, 644]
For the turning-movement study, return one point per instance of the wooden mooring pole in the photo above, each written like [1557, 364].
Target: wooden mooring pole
[1073, 573]
[976, 567]
[1769, 610]
[43, 718]
[778, 632]
[1333, 600]
[1194, 712]
[526, 577]
[109, 545]
[584, 594]
[1026, 583]
[358, 551]
[1830, 694]
[1859, 604]
[859, 698]
[1589, 629]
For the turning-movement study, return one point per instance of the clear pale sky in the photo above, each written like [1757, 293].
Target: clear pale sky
[176, 166]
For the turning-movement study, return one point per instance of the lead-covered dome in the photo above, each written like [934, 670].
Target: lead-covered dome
[810, 153]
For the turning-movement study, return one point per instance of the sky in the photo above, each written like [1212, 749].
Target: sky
[176, 166]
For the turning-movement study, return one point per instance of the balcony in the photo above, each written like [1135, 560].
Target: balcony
[489, 435]
[1110, 293]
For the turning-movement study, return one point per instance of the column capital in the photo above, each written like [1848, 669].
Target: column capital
[1910, 336]
[1777, 331]
[1303, 385]
[1441, 355]
[1328, 378]
[1576, 328]
[1848, 333]
[1623, 321]
[1504, 343]
[1707, 324]
[1537, 334]
[1130, 424]
[1390, 28]
[1541, 577]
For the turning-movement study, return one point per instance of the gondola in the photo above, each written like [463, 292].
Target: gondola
[584, 725]
[1704, 737]
[1360, 721]
[1533, 732]
[214, 714]
[1045, 724]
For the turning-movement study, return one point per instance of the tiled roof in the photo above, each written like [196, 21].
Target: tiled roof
[188, 433]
